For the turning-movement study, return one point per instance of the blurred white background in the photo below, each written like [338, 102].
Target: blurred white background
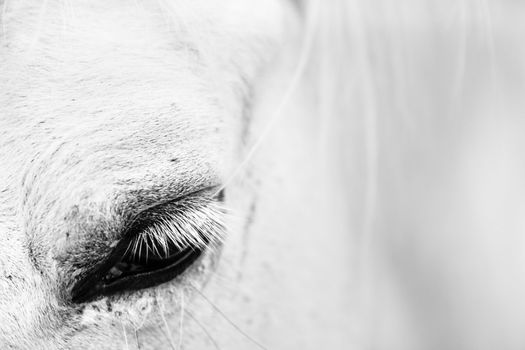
[443, 181]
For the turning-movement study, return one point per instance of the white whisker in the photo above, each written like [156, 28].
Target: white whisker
[227, 319]
[201, 326]
[166, 326]
[125, 335]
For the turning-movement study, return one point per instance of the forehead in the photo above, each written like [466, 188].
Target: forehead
[138, 26]
[235, 16]
[146, 40]
[168, 64]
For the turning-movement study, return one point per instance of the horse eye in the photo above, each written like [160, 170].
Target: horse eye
[160, 245]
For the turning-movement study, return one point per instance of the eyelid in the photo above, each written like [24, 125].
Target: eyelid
[199, 199]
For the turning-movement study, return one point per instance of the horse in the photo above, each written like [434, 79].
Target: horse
[286, 174]
[135, 209]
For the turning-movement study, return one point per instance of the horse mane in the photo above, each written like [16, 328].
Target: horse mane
[382, 73]
[415, 98]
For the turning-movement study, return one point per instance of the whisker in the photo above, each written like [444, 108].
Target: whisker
[168, 333]
[208, 335]
[223, 315]
[137, 339]
[125, 335]
[277, 115]
[138, 328]
[225, 281]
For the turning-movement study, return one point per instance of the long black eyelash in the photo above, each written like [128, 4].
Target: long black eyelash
[199, 225]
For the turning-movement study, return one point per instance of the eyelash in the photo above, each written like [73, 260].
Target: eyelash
[192, 224]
